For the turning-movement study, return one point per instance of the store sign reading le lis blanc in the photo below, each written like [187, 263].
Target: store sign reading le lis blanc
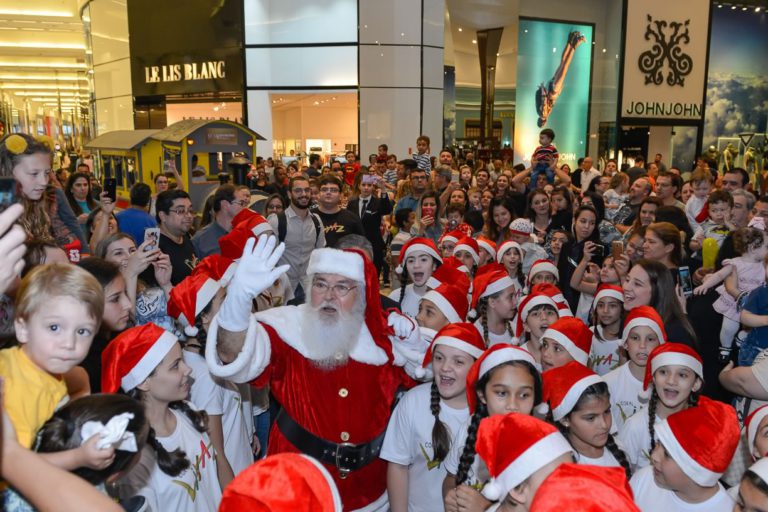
[210, 70]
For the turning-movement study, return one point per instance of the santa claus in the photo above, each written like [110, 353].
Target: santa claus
[333, 364]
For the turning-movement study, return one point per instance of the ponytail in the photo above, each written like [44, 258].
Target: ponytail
[468, 454]
[170, 463]
[652, 402]
[441, 440]
[403, 284]
[199, 419]
[618, 454]
[482, 313]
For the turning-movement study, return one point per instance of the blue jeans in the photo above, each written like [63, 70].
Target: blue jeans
[261, 422]
[749, 350]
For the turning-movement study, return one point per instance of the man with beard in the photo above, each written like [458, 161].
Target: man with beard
[175, 216]
[330, 363]
[302, 231]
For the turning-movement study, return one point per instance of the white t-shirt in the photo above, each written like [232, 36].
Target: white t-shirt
[495, 339]
[649, 497]
[604, 355]
[606, 460]
[221, 397]
[477, 474]
[408, 442]
[196, 489]
[410, 305]
[624, 388]
[636, 439]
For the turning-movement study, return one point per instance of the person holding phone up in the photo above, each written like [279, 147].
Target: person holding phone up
[586, 240]
[428, 223]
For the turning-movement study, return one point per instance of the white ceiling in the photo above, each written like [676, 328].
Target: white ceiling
[42, 52]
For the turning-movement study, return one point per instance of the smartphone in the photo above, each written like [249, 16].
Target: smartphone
[110, 187]
[8, 194]
[152, 236]
[455, 177]
[370, 179]
[684, 280]
[617, 249]
[599, 251]
[427, 211]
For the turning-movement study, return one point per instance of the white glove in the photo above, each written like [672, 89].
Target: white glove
[402, 324]
[255, 273]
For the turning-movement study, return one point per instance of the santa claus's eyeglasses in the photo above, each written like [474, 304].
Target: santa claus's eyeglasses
[338, 290]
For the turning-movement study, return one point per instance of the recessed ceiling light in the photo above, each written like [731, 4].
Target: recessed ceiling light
[474, 41]
[460, 29]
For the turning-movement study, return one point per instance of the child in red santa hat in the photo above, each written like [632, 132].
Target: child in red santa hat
[194, 302]
[607, 319]
[566, 340]
[510, 254]
[752, 492]
[146, 363]
[467, 251]
[503, 380]
[285, 482]
[537, 311]
[520, 453]
[419, 258]
[674, 376]
[494, 304]
[643, 332]
[427, 419]
[584, 488]
[694, 448]
[487, 250]
[580, 405]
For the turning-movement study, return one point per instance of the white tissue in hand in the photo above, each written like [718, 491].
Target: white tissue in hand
[114, 433]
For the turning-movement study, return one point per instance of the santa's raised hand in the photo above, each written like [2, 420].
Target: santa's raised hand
[255, 273]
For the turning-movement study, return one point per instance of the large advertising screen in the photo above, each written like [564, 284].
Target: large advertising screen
[554, 70]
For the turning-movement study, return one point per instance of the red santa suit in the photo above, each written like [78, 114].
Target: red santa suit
[350, 403]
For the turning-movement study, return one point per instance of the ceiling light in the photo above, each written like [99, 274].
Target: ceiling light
[49, 78]
[743, 8]
[460, 29]
[26, 12]
[474, 41]
[43, 86]
[733, 7]
[757, 9]
[40, 44]
[68, 65]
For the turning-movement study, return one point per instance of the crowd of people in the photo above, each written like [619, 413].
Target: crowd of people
[419, 334]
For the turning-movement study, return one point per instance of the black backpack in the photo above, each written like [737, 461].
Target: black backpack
[282, 226]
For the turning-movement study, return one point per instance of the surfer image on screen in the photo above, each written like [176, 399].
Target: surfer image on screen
[547, 94]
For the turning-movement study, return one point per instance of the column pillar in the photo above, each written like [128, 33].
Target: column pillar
[400, 74]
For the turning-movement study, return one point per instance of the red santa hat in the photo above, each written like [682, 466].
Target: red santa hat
[586, 489]
[608, 291]
[644, 316]
[133, 355]
[752, 425]
[534, 299]
[246, 224]
[354, 264]
[451, 236]
[488, 245]
[461, 335]
[285, 482]
[470, 245]
[450, 300]
[189, 298]
[573, 335]
[449, 273]
[540, 266]
[491, 278]
[668, 354]
[554, 293]
[418, 244]
[760, 468]
[491, 358]
[507, 246]
[217, 267]
[514, 446]
[563, 386]
[701, 439]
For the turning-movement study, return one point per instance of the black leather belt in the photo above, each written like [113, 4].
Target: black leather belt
[347, 457]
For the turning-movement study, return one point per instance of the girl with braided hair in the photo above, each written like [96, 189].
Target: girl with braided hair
[503, 380]
[428, 418]
[580, 406]
[494, 304]
[674, 377]
[419, 257]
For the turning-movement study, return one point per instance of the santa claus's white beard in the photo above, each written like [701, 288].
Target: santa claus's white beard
[330, 338]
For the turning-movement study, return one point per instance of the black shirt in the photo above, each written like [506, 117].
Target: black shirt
[182, 257]
[339, 224]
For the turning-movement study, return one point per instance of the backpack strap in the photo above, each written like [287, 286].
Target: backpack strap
[316, 222]
[282, 226]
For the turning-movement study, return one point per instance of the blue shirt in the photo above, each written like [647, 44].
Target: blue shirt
[407, 202]
[206, 241]
[757, 303]
[134, 222]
